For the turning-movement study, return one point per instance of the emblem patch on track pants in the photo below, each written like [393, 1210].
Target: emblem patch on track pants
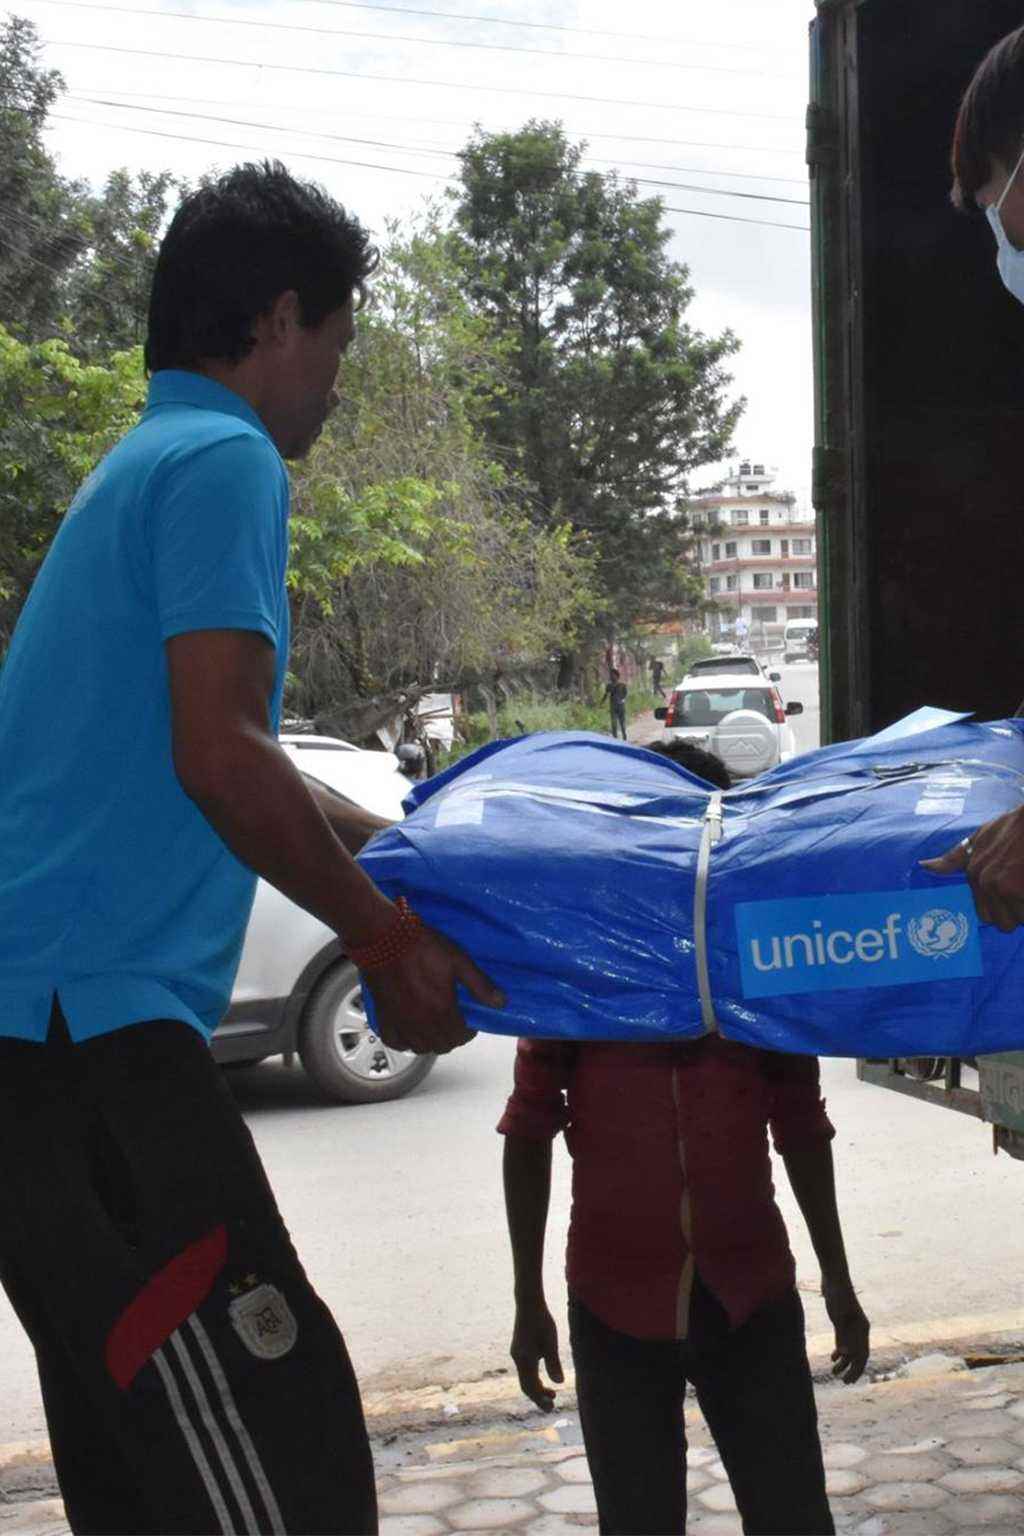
[264, 1322]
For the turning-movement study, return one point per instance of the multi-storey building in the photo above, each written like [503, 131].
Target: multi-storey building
[759, 556]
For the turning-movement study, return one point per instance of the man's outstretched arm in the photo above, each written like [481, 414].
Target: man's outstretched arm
[351, 824]
[229, 762]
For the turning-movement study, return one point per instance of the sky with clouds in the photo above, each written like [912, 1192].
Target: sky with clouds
[372, 98]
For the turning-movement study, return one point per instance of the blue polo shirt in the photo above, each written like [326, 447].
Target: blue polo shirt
[115, 891]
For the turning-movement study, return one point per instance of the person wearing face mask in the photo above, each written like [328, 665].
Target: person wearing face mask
[988, 171]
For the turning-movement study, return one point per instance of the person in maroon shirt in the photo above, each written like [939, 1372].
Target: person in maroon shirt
[679, 1266]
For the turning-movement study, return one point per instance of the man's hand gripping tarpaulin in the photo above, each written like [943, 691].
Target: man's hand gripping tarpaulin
[614, 896]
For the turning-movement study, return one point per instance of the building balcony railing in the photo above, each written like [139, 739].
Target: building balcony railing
[758, 562]
[802, 528]
[767, 595]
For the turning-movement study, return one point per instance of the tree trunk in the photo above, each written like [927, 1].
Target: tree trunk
[567, 670]
[490, 705]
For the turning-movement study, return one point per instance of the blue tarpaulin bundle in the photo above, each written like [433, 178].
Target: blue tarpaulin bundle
[613, 895]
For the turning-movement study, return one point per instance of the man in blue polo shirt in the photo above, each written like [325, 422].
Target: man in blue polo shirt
[192, 1379]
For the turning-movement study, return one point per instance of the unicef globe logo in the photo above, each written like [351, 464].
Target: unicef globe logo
[938, 933]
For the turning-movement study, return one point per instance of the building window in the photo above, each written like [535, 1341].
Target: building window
[715, 584]
[732, 583]
[751, 490]
[800, 612]
[741, 518]
[716, 551]
[760, 546]
[804, 579]
[784, 551]
[762, 581]
[768, 614]
[801, 546]
[763, 515]
[730, 550]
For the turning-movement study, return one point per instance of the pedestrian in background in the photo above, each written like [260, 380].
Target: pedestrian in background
[193, 1381]
[616, 692]
[657, 673]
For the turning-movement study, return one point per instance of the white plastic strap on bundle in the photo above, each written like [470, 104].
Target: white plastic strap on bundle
[711, 834]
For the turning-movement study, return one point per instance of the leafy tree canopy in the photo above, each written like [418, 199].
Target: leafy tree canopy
[614, 399]
[73, 262]
[58, 416]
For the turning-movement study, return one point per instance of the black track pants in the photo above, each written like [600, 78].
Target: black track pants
[754, 1388]
[193, 1380]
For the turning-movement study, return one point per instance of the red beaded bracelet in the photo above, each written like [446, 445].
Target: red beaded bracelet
[392, 944]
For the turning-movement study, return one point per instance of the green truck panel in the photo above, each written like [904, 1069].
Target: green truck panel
[919, 414]
[919, 384]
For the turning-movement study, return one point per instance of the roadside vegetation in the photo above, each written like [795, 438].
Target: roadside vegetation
[503, 494]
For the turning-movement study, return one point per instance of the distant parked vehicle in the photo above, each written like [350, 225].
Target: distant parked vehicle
[742, 665]
[742, 720]
[795, 637]
[296, 991]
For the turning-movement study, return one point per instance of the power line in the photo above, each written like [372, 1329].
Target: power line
[545, 26]
[237, 122]
[188, 138]
[435, 149]
[699, 170]
[365, 165]
[392, 37]
[732, 218]
[462, 123]
[406, 80]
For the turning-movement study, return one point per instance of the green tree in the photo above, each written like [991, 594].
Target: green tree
[58, 416]
[616, 399]
[42, 220]
[73, 262]
[414, 561]
[106, 294]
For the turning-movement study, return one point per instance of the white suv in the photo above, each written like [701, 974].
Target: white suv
[741, 719]
[296, 992]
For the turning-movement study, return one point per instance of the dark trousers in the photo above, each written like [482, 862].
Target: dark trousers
[192, 1379]
[619, 720]
[754, 1388]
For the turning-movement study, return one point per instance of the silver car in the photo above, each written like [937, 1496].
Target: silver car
[296, 993]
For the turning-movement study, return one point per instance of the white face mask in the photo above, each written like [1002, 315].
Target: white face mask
[1009, 261]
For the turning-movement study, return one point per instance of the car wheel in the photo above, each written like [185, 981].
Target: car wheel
[349, 1063]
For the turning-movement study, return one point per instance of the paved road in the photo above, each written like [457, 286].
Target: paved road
[800, 684]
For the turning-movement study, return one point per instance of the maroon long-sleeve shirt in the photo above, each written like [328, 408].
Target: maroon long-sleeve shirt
[671, 1169]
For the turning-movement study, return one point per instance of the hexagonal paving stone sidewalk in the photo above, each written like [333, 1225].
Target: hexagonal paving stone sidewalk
[935, 1455]
[939, 1454]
